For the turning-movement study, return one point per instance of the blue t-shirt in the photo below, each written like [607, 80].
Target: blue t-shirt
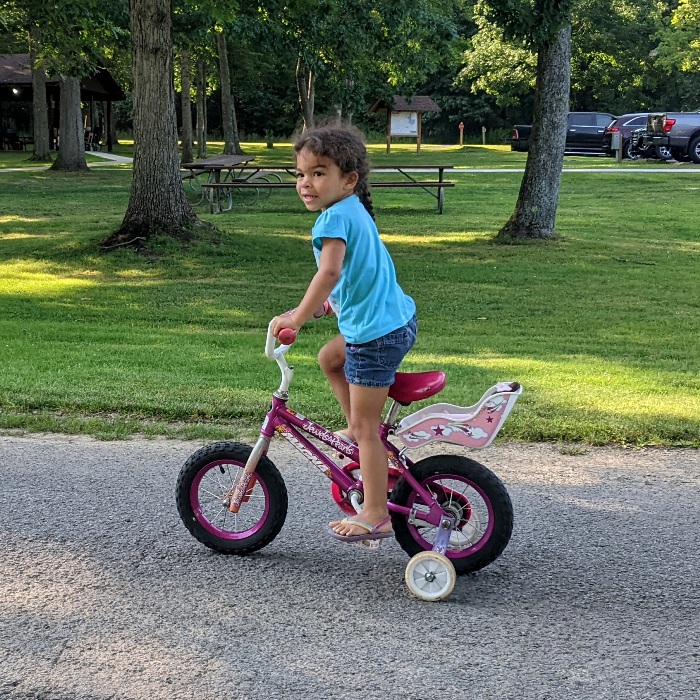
[367, 299]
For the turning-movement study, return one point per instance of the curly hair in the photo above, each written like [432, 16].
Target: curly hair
[346, 148]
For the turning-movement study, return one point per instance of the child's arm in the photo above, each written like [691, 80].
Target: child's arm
[328, 273]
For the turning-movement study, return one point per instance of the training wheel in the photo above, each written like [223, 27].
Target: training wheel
[430, 576]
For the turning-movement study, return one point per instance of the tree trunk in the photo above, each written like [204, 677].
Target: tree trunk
[112, 139]
[228, 109]
[42, 152]
[186, 104]
[305, 88]
[157, 204]
[71, 132]
[536, 209]
[201, 109]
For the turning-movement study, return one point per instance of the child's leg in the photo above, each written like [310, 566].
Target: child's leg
[331, 358]
[367, 404]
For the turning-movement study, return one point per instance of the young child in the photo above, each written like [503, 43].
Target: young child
[376, 319]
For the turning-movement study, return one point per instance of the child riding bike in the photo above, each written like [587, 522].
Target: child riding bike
[376, 319]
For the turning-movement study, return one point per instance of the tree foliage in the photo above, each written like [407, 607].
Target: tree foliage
[496, 66]
[477, 58]
[355, 50]
[680, 43]
[612, 64]
[535, 22]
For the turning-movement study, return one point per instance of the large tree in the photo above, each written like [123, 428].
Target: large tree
[536, 208]
[544, 25]
[42, 152]
[71, 150]
[229, 123]
[157, 204]
[186, 107]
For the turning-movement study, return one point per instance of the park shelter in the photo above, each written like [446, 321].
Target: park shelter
[404, 116]
[16, 97]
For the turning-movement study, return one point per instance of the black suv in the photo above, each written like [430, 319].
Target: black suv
[584, 133]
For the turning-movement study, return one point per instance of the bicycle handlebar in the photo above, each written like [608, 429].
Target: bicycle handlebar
[287, 336]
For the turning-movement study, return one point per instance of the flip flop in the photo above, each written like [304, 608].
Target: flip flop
[371, 533]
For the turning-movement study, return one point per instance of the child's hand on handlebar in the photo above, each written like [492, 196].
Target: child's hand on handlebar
[284, 321]
[288, 318]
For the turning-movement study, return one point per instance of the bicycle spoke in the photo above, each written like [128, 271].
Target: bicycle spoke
[214, 496]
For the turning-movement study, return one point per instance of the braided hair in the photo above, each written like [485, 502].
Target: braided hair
[345, 147]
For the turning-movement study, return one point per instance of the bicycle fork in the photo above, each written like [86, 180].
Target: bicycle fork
[236, 497]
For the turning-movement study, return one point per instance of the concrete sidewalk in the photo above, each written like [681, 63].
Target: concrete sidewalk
[109, 159]
[113, 157]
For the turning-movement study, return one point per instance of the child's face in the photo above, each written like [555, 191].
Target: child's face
[320, 182]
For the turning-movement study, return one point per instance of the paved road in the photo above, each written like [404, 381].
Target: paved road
[103, 594]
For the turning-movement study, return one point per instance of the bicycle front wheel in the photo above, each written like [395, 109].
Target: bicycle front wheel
[203, 488]
[470, 493]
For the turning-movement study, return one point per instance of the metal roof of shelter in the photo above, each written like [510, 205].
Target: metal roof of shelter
[15, 72]
[417, 103]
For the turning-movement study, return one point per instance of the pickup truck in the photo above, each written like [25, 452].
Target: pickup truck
[584, 133]
[679, 131]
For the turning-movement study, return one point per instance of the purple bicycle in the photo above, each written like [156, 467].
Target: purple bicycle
[451, 514]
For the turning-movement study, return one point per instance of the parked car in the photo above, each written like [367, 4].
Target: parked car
[632, 148]
[584, 133]
[678, 131]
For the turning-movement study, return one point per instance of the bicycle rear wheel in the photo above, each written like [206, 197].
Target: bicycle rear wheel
[203, 486]
[470, 493]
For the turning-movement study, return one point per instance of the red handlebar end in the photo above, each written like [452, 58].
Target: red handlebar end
[287, 336]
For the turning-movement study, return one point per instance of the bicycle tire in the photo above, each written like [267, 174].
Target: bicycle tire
[245, 197]
[268, 178]
[200, 493]
[193, 189]
[468, 491]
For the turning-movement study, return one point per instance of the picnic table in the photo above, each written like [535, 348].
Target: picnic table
[216, 169]
[269, 177]
[13, 142]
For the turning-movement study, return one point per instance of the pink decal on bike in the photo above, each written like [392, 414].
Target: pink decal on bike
[337, 443]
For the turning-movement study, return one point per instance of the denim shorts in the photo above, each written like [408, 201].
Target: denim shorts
[374, 364]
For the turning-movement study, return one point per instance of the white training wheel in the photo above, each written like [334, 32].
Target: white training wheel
[430, 576]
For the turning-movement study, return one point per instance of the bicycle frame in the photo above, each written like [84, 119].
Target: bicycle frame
[292, 425]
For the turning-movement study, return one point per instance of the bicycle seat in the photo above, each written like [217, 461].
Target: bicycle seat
[414, 386]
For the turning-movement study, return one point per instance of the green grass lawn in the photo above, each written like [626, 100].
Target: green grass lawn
[600, 327]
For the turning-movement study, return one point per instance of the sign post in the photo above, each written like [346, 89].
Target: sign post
[461, 133]
[404, 118]
[616, 145]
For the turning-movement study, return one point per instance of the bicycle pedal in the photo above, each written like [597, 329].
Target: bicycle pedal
[371, 545]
